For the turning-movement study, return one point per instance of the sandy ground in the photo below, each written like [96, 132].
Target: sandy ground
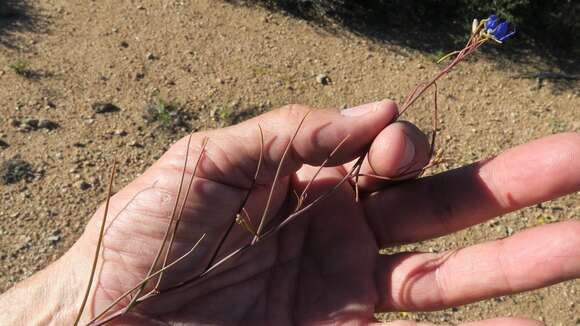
[220, 63]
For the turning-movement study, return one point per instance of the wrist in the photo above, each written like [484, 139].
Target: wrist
[50, 297]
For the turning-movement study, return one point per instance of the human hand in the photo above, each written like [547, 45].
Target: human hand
[324, 268]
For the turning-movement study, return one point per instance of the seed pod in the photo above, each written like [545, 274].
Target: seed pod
[474, 26]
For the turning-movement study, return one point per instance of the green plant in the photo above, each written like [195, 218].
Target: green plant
[230, 115]
[223, 115]
[20, 67]
[558, 125]
[165, 112]
[15, 170]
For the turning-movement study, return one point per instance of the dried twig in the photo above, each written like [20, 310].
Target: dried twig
[242, 204]
[276, 176]
[145, 280]
[475, 41]
[168, 229]
[265, 236]
[304, 194]
[435, 114]
[181, 209]
[99, 244]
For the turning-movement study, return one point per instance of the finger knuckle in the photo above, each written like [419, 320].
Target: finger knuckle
[292, 113]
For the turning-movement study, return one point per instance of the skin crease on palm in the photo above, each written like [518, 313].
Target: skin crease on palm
[324, 268]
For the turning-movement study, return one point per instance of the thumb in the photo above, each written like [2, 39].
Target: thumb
[232, 153]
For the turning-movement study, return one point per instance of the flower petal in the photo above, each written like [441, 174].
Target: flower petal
[491, 23]
[505, 37]
[501, 30]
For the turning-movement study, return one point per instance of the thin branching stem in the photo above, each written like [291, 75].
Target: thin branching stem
[357, 169]
[471, 46]
[168, 229]
[304, 194]
[403, 176]
[99, 244]
[435, 113]
[145, 280]
[276, 176]
[474, 42]
[181, 209]
[242, 204]
[265, 236]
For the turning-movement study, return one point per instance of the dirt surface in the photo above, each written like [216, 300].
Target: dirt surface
[213, 64]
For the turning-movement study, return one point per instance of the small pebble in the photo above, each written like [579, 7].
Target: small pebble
[104, 107]
[509, 231]
[47, 124]
[83, 185]
[134, 143]
[53, 239]
[32, 123]
[323, 79]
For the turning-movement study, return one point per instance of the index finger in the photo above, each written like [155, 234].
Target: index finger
[430, 207]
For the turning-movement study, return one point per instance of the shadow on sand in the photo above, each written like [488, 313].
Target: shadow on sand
[17, 16]
[400, 23]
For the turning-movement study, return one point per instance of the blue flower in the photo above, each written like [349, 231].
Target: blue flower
[497, 29]
[491, 23]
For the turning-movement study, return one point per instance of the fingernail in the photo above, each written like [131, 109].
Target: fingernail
[408, 154]
[357, 111]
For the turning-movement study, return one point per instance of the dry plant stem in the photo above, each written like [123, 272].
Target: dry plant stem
[276, 176]
[244, 220]
[304, 193]
[435, 114]
[403, 176]
[99, 244]
[473, 44]
[265, 236]
[357, 168]
[224, 260]
[138, 299]
[247, 221]
[145, 280]
[180, 215]
[243, 203]
[292, 216]
[168, 230]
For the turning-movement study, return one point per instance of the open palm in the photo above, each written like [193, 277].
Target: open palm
[325, 266]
